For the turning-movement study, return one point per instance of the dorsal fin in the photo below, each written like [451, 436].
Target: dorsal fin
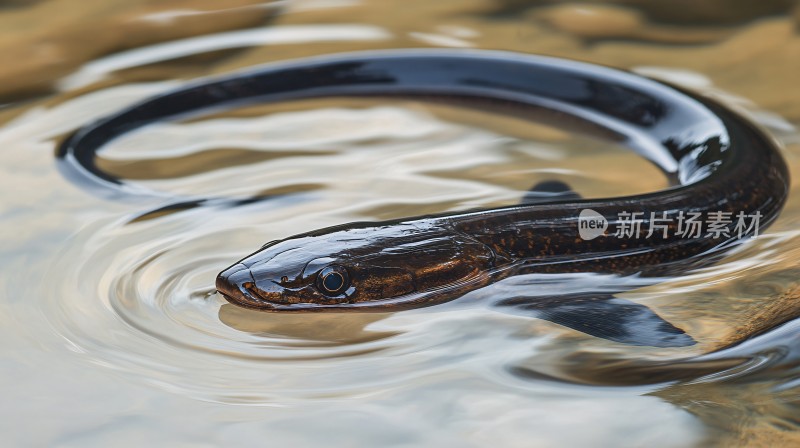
[549, 191]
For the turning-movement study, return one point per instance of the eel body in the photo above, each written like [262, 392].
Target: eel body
[724, 172]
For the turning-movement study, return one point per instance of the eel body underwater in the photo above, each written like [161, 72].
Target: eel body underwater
[723, 172]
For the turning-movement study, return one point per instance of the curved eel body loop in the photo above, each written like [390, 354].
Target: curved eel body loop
[719, 166]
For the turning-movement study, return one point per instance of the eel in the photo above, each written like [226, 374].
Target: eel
[724, 172]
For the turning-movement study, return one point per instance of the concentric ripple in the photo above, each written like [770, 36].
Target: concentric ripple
[141, 283]
[147, 308]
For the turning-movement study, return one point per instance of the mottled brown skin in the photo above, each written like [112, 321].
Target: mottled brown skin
[716, 161]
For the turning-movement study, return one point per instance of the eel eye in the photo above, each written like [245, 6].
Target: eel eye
[333, 280]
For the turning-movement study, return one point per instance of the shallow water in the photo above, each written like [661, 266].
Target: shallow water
[111, 328]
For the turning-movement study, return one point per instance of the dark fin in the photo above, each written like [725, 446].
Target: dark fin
[549, 191]
[604, 316]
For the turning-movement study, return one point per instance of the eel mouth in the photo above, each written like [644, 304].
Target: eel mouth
[235, 284]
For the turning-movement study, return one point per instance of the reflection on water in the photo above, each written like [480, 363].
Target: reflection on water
[110, 323]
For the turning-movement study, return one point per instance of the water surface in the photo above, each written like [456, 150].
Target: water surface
[109, 322]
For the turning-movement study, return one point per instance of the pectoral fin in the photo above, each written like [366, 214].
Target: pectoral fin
[604, 316]
[549, 191]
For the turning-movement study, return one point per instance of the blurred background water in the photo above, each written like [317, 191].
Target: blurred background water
[112, 333]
